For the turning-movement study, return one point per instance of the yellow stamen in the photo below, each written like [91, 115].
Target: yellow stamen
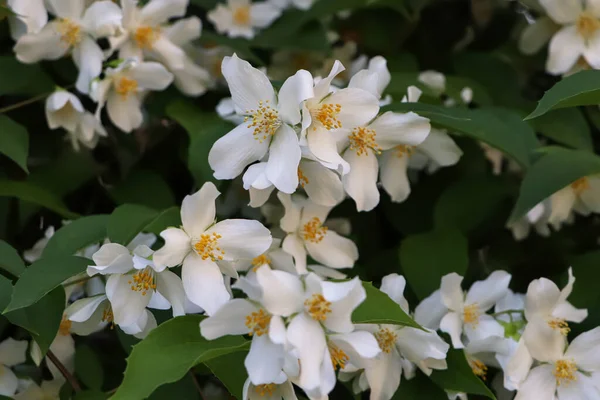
[386, 339]
[125, 86]
[207, 247]
[313, 231]
[479, 368]
[587, 25]
[241, 15]
[107, 314]
[65, 326]
[559, 325]
[471, 315]
[318, 307]
[260, 261]
[302, 179]
[580, 185]
[145, 36]
[258, 322]
[265, 390]
[338, 357]
[70, 32]
[404, 150]
[362, 139]
[143, 281]
[265, 121]
[327, 116]
[564, 372]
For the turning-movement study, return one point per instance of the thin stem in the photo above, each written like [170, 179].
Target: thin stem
[23, 103]
[68, 376]
[508, 312]
[197, 384]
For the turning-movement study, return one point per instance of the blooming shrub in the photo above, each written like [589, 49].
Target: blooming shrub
[291, 199]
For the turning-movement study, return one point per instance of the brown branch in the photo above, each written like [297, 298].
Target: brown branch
[197, 384]
[68, 376]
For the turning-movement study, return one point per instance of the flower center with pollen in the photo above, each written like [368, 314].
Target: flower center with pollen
[207, 247]
[65, 326]
[587, 25]
[125, 86]
[559, 325]
[404, 150]
[265, 121]
[241, 15]
[338, 357]
[260, 261]
[302, 179]
[362, 139]
[265, 390]
[318, 307]
[580, 185]
[70, 32]
[107, 314]
[313, 231]
[145, 36]
[258, 322]
[142, 281]
[479, 368]
[327, 116]
[386, 339]
[564, 372]
[471, 315]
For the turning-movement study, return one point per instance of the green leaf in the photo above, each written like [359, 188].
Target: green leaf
[10, 261]
[42, 277]
[182, 389]
[34, 194]
[127, 221]
[167, 353]
[14, 141]
[90, 395]
[88, 368]
[498, 127]
[41, 319]
[135, 188]
[427, 257]
[5, 292]
[77, 235]
[419, 387]
[459, 376]
[555, 170]
[230, 370]
[204, 129]
[379, 308]
[25, 79]
[466, 204]
[171, 217]
[585, 268]
[580, 89]
[566, 126]
[239, 46]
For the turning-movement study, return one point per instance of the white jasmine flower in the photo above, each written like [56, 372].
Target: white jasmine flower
[578, 37]
[121, 91]
[240, 18]
[268, 126]
[566, 374]
[468, 311]
[272, 391]
[548, 313]
[30, 16]
[537, 218]
[48, 390]
[374, 79]
[12, 352]
[63, 110]
[482, 353]
[346, 55]
[201, 243]
[362, 145]
[434, 80]
[87, 132]
[303, 222]
[581, 196]
[75, 29]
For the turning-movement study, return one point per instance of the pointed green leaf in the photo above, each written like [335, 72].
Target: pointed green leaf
[566, 126]
[10, 261]
[459, 376]
[76, 236]
[230, 370]
[14, 141]
[379, 308]
[34, 194]
[127, 221]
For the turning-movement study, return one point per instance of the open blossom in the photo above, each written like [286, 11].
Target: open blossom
[548, 313]
[268, 127]
[303, 222]
[566, 374]
[122, 88]
[201, 243]
[12, 352]
[582, 196]
[272, 391]
[75, 29]
[30, 16]
[240, 18]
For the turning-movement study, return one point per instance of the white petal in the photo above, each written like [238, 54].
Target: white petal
[383, 374]
[8, 382]
[487, 292]
[170, 287]
[284, 157]
[233, 152]
[44, 45]
[565, 49]
[72, 9]
[417, 345]
[563, 12]
[264, 361]
[362, 342]
[88, 57]
[393, 285]
[582, 388]
[517, 368]
[277, 330]
[294, 246]
[333, 251]
[283, 293]
[177, 246]
[172, 56]
[361, 182]
[111, 258]
[591, 51]
[393, 129]
[441, 148]
[344, 298]
[184, 30]
[291, 219]
[322, 143]
[151, 75]
[358, 106]
[12, 352]
[63, 109]
[452, 293]
[203, 283]
[81, 310]
[198, 210]
[230, 319]
[568, 312]
[433, 80]
[102, 18]
[585, 350]
[248, 85]
[308, 338]
[124, 112]
[259, 197]
[263, 14]
[294, 91]
[324, 186]
[542, 296]
[430, 311]
[127, 304]
[540, 384]
[378, 64]
[452, 324]
[146, 323]
[544, 343]
[157, 12]
[30, 17]
[487, 326]
[562, 203]
[241, 238]
[366, 80]
[536, 35]
[393, 175]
